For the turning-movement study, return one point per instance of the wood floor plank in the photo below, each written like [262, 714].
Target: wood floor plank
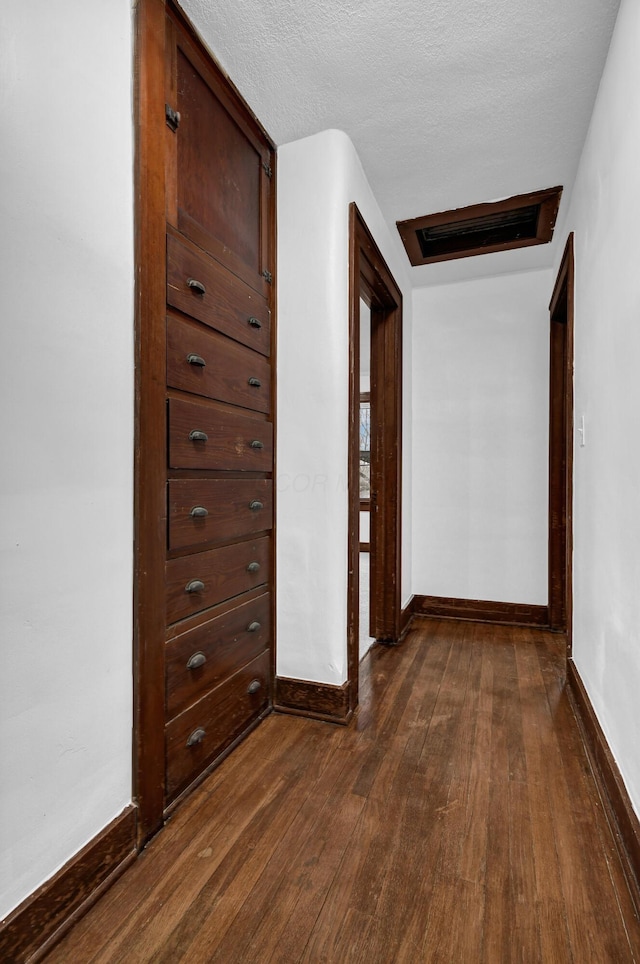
[386, 845]
[452, 848]
[455, 820]
[461, 884]
[498, 941]
[135, 898]
[191, 848]
[308, 884]
[537, 728]
[299, 855]
[333, 938]
[197, 934]
[593, 902]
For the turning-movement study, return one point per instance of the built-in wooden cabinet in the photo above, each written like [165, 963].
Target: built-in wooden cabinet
[219, 643]
[213, 350]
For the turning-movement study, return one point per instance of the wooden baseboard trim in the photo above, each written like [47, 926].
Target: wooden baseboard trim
[406, 616]
[318, 701]
[617, 806]
[31, 930]
[480, 610]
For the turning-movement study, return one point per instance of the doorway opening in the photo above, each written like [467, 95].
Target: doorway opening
[376, 298]
[561, 311]
[366, 640]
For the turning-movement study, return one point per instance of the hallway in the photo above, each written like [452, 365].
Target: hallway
[455, 820]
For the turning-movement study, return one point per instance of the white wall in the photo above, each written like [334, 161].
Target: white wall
[604, 213]
[66, 380]
[317, 179]
[480, 438]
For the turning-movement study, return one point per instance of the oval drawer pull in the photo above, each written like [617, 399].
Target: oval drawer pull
[195, 436]
[196, 737]
[196, 661]
[194, 359]
[196, 286]
[254, 626]
[257, 444]
[254, 322]
[255, 505]
[195, 585]
[255, 382]
[253, 567]
[199, 512]
[254, 686]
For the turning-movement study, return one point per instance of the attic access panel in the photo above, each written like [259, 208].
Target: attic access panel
[515, 222]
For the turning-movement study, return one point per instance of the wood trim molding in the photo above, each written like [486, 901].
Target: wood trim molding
[371, 280]
[561, 358]
[480, 610]
[406, 616]
[319, 701]
[483, 228]
[617, 806]
[150, 431]
[31, 930]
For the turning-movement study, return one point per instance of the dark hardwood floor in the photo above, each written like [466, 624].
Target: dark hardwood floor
[455, 821]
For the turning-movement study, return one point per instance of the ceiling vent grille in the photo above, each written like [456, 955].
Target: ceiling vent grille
[515, 222]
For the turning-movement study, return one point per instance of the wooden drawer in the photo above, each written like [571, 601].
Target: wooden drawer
[227, 303]
[224, 573]
[235, 508]
[233, 440]
[222, 714]
[205, 656]
[219, 368]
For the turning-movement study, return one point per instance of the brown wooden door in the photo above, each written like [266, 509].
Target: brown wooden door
[223, 168]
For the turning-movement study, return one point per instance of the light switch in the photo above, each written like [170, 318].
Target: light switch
[582, 432]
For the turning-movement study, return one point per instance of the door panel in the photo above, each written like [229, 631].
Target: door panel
[219, 175]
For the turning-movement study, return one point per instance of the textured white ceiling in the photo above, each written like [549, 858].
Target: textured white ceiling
[448, 102]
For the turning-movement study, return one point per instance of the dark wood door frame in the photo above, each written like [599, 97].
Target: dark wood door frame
[371, 280]
[561, 312]
[150, 432]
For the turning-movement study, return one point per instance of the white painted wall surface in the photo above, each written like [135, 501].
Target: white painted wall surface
[317, 179]
[66, 377]
[604, 213]
[480, 438]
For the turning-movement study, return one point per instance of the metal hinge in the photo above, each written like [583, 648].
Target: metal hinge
[268, 277]
[267, 169]
[172, 117]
